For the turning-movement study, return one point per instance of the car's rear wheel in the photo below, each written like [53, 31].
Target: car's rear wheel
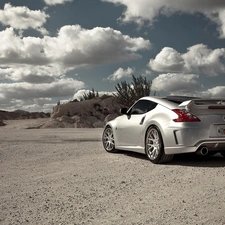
[154, 146]
[108, 140]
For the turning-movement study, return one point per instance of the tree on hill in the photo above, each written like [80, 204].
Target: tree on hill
[127, 93]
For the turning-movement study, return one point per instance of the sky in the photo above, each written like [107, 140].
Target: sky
[57, 50]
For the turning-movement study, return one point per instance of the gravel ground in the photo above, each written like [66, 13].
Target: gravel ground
[63, 176]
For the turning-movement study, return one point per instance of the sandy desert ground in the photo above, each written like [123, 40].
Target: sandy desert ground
[63, 176]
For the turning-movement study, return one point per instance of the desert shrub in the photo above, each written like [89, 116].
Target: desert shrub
[128, 93]
[91, 94]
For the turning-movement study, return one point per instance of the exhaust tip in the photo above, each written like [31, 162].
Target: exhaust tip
[203, 151]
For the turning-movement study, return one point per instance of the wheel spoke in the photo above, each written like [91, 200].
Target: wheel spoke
[108, 139]
[153, 144]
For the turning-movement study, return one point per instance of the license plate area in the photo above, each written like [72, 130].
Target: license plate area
[221, 130]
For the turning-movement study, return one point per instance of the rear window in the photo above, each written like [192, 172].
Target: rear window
[143, 106]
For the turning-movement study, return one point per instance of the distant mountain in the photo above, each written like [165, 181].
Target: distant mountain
[20, 114]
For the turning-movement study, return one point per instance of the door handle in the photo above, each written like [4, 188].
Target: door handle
[142, 120]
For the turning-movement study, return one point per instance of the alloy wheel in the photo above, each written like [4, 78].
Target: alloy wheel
[108, 140]
[153, 143]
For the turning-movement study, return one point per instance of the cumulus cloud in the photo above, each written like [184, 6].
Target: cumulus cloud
[24, 90]
[73, 47]
[17, 50]
[149, 10]
[22, 18]
[55, 2]
[176, 83]
[31, 74]
[121, 73]
[215, 92]
[198, 59]
[21, 94]
[167, 60]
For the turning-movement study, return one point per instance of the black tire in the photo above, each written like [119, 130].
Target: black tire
[154, 147]
[108, 140]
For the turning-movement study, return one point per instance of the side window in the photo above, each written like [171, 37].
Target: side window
[142, 106]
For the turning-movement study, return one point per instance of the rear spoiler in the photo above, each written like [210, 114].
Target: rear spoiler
[204, 106]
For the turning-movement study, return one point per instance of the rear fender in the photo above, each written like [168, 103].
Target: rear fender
[153, 123]
[167, 134]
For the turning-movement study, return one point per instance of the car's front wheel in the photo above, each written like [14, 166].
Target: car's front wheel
[154, 147]
[108, 140]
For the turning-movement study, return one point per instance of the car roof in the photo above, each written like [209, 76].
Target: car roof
[169, 101]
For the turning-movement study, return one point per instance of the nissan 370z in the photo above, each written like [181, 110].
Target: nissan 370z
[162, 127]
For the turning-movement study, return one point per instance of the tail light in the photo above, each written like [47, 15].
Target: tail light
[184, 116]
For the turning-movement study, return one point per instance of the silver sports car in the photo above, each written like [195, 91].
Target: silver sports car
[162, 127]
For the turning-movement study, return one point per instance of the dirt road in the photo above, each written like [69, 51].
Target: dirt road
[63, 176]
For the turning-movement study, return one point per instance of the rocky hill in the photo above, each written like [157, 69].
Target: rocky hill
[84, 114]
[92, 113]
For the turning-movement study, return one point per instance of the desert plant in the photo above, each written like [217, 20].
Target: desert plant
[127, 93]
[91, 94]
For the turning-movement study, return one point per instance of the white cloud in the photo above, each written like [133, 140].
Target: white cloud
[167, 60]
[198, 59]
[215, 92]
[35, 74]
[23, 95]
[73, 47]
[55, 2]
[121, 73]
[24, 90]
[222, 22]
[149, 10]
[17, 50]
[176, 83]
[21, 17]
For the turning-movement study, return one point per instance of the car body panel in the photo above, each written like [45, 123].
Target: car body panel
[178, 137]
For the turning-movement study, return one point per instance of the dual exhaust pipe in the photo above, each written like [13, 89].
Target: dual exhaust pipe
[203, 151]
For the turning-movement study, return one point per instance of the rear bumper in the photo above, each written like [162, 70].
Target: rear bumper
[212, 145]
[215, 145]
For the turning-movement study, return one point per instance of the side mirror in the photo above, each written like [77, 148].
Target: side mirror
[123, 111]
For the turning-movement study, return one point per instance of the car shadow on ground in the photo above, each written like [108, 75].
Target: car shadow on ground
[198, 161]
[192, 159]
